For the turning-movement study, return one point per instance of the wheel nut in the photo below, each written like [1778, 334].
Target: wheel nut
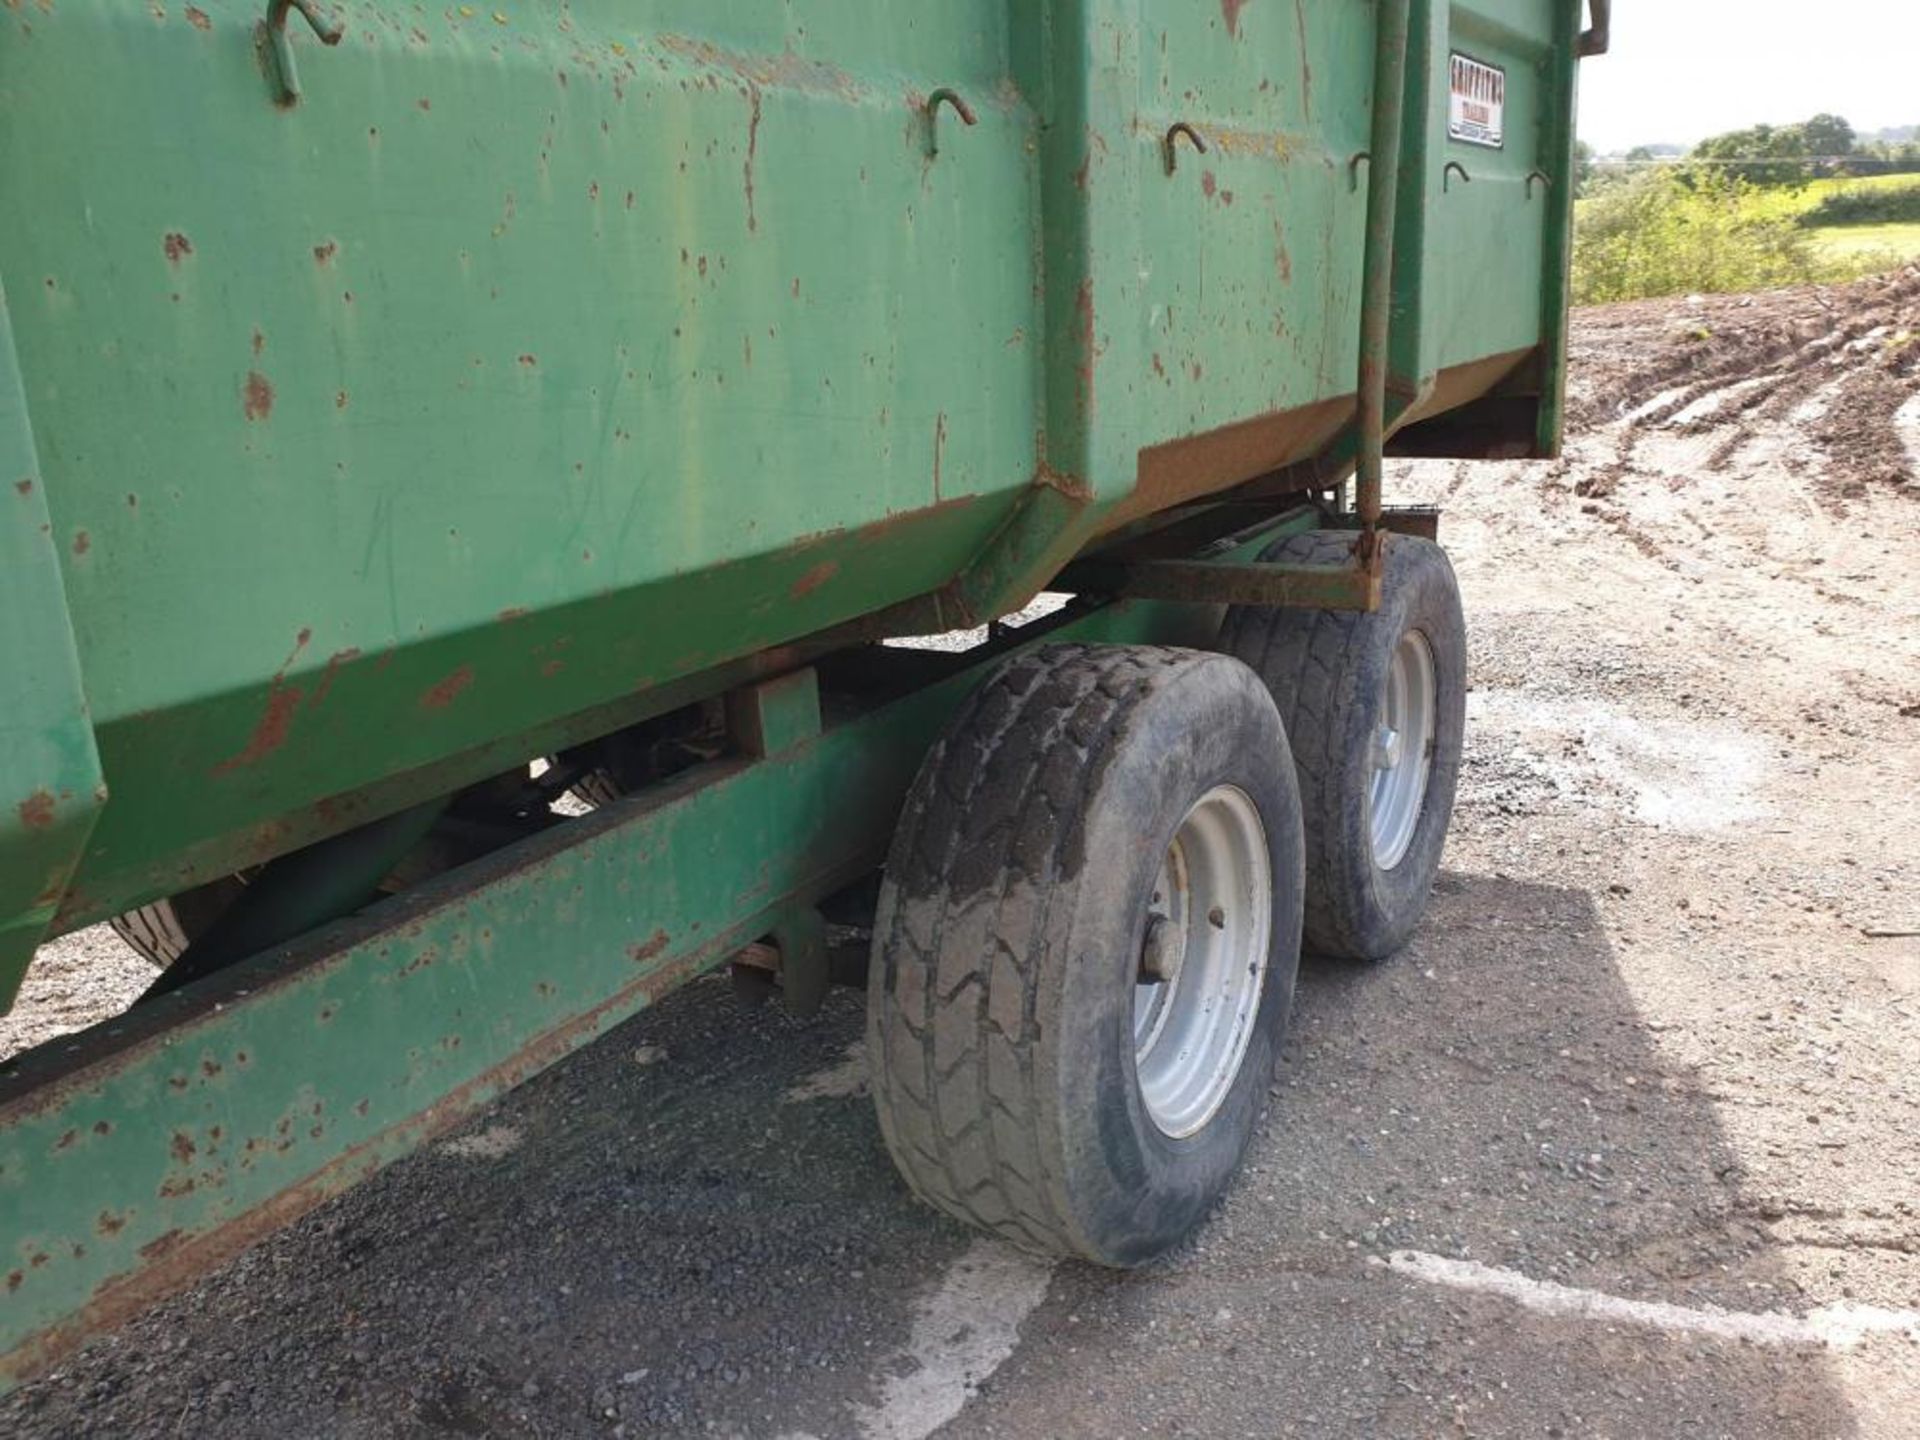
[1160, 952]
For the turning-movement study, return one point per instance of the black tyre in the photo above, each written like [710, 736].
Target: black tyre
[1377, 809]
[1099, 863]
[162, 930]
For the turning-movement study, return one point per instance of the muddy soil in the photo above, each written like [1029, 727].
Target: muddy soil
[1626, 1144]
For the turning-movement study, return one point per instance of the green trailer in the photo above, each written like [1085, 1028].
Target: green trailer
[468, 471]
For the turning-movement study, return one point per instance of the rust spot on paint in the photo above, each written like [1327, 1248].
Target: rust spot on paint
[814, 578]
[161, 1245]
[1158, 368]
[753, 150]
[1306, 68]
[276, 719]
[181, 1147]
[648, 948]
[1071, 486]
[939, 449]
[23, 487]
[324, 252]
[1226, 197]
[36, 811]
[1083, 306]
[259, 340]
[1207, 184]
[82, 542]
[178, 1256]
[66, 1140]
[327, 676]
[528, 361]
[256, 396]
[511, 614]
[424, 103]
[1231, 10]
[444, 692]
[103, 1127]
[1280, 256]
[197, 18]
[109, 1223]
[339, 399]
[177, 246]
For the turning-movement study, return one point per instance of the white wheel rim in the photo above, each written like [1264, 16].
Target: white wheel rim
[1204, 961]
[1402, 750]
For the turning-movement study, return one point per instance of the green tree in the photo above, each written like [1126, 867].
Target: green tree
[1828, 137]
[1762, 155]
[1781, 154]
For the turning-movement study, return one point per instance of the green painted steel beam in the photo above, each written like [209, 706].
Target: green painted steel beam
[1313, 587]
[51, 787]
[146, 1149]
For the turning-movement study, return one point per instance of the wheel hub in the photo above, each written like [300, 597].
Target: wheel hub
[1402, 750]
[1203, 961]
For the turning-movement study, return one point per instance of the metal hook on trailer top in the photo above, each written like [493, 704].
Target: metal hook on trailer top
[1446, 175]
[278, 50]
[1546, 181]
[945, 95]
[1194, 138]
[1360, 157]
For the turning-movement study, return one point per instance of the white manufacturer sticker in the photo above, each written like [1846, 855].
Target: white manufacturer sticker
[1478, 113]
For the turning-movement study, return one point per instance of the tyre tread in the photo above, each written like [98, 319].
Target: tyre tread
[954, 1005]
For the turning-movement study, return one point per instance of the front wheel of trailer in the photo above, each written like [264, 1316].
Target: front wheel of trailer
[1085, 949]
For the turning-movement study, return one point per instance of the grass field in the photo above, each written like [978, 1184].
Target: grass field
[1848, 242]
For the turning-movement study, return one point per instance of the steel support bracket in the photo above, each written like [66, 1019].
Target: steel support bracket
[772, 716]
[1226, 582]
[1422, 521]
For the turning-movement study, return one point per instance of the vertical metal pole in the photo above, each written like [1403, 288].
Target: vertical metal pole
[1376, 305]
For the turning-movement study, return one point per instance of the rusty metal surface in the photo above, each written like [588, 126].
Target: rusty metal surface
[1214, 582]
[375, 454]
[138, 1152]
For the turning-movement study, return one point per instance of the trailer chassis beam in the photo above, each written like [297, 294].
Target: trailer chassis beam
[144, 1151]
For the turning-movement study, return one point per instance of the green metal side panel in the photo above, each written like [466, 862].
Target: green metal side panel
[545, 359]
[50, 786]
[1480, 251]
[142, 1151]
[1485, 235]
[542, 353]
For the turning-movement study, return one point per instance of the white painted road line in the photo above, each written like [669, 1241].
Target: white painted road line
[1838, 1326]
[961, 1334]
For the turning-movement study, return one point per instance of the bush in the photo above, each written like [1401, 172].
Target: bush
[1667, 234]
[1867, 205]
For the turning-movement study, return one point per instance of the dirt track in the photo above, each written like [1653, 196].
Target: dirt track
[1648, 1047]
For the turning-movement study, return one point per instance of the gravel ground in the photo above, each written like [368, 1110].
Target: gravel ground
[1649, 1048]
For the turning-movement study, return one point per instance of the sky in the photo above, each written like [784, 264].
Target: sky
[1681, 70]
